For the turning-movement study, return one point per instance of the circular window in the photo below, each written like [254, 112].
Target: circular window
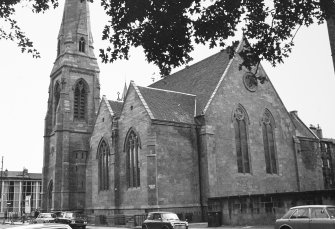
[250, 81]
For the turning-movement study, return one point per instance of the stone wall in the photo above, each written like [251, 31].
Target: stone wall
[223, 178]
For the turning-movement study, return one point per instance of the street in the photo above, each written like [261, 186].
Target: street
[191, 226]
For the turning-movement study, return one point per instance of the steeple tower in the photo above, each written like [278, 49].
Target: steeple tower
[74, 95]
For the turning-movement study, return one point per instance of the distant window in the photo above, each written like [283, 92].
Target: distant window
[133, 168]
[80, 100]
[241, 140]
[57, 90]
[103, 155]
[82, 45]
[58, 48]
[269, 143]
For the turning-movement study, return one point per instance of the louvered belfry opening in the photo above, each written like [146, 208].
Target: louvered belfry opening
[80, 100]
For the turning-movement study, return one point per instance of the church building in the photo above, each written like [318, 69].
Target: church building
[206, 139]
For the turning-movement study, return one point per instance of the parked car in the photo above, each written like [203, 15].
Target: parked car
[74, 219]
[164, 220]
[45, 218]
[44, 226]
[308, 217]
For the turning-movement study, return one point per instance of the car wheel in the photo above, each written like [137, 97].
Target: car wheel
[145, 227]
[165, 227]
[83, 227]
[285, 227]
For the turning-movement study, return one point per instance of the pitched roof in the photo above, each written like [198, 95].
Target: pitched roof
[301, 129]
[199, 79]
[116, 107]
[169, 105]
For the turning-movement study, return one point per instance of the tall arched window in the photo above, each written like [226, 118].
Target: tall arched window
[133, 167]
[57, 90]
[269, 142]
[103, 155]
[80, 100]
[82, 45]
[58, 48]
[241, 140]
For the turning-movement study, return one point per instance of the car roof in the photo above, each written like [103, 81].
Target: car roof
[313, 206]
[44, 225]
[162, 212]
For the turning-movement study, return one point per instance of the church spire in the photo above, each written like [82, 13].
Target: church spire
[75, 30]
[331, 30]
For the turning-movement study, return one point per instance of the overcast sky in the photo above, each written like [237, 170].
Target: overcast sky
[305, 82]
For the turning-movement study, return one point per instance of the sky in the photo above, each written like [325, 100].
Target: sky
[305, 82]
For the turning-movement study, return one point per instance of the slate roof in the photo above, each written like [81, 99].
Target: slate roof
[301, 129]
[199, 79]
[116, 107]
[169, 105]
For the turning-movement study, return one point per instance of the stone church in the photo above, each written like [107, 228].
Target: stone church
[206, 139]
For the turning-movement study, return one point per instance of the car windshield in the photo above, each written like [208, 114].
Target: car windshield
[170, 216]
[73, 215]
[331, 211]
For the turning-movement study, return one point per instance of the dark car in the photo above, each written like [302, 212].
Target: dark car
[308, 217]
[45, 218]
[74, 219]
[164, 220]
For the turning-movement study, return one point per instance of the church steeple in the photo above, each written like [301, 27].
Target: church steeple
[75, 35]
[74, 96]
[331, 30]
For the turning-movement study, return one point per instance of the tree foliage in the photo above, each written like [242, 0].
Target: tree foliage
[10, 30]
[168, 29]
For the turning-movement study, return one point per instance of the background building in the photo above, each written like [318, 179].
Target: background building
[20, 192]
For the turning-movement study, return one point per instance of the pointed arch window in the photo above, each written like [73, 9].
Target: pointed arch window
[241, 140]
[103, 159]
[80, 100]
[57, 91]
[269, 143]
[58, 48]
[132, 158]
[82, 45]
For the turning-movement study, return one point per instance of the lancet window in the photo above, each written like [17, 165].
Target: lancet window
[133, 168]
[269, 143]
[103, 159]
[241, 140]
[80, 100]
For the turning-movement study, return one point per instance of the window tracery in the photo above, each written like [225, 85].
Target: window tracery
[241, 140]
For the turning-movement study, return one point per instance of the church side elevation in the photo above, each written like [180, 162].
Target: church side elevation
[206, 139]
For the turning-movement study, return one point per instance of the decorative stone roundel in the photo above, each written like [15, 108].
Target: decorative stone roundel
[250, 81]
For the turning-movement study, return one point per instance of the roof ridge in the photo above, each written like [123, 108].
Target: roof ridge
[159, 89]
[115, 101]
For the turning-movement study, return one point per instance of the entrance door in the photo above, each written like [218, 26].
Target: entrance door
[50, 188]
